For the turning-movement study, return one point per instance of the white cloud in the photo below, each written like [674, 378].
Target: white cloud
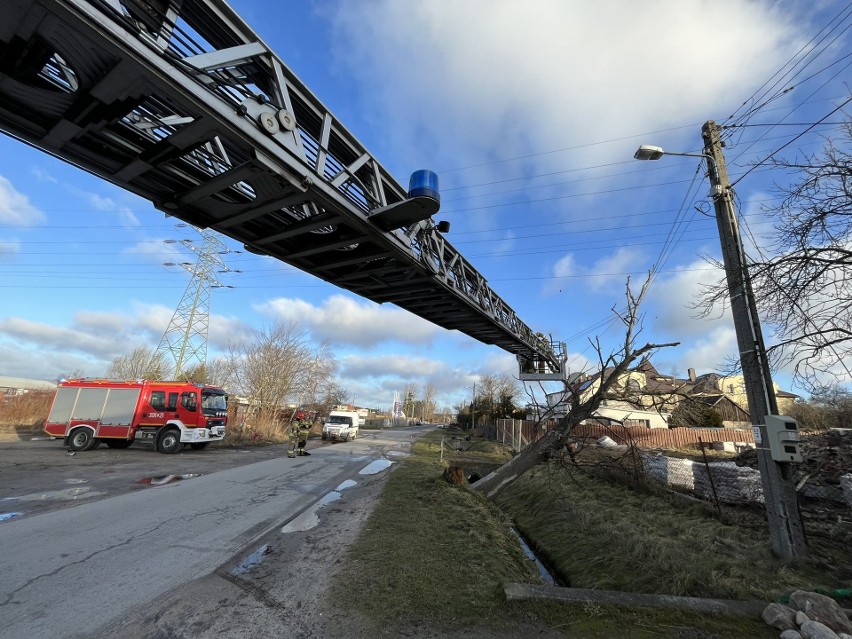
[101, 203]
[94, 338]
[672, 297]
[498, 362]
[374, 379]
[610, 270]
[104, 203]
[224, 331]
[158, 252]
[78, 339]
[390, 365]
[100, 322]
[756, 228]
[600, 277]
[711, 353]
[565, 268]
[15, 207]
[151, 320]
[579, 363]
[9, 248]
[343, 320]
[42, 176]
[44, 364]
[528, 76]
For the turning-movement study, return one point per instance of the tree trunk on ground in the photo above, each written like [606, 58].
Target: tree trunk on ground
[531, 456]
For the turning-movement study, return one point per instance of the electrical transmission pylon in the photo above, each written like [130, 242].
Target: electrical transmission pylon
[184, 343]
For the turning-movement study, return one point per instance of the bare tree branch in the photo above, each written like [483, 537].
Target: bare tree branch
[803, 289]
[583, 405]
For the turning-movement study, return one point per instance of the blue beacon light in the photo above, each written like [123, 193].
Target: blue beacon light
[424, 183]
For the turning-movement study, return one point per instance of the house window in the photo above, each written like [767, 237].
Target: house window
[633, 384]
[637, 423]
[731, 389]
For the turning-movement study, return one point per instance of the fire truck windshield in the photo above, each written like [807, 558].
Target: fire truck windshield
[214, 401]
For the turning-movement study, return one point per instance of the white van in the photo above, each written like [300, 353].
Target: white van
[342, 425]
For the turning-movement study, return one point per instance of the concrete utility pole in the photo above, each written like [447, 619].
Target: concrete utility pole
[779, 492]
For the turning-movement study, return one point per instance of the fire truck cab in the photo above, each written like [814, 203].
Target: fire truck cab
[168, 414]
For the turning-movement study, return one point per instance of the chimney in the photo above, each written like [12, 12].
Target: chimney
[691, 372]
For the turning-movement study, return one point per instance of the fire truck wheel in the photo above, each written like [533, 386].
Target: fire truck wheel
[199, 445]
[82, 439]
[118, 443]
[169, 442]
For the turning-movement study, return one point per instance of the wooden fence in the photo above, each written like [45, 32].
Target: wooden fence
[662, 437]
[518, 433]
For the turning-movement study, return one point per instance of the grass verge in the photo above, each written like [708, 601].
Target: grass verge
[430, 551]
[608, 536]
[436, 556]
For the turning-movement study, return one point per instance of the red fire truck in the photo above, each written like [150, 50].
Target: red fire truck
[169, 414]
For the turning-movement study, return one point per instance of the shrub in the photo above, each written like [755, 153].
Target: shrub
[28, 409]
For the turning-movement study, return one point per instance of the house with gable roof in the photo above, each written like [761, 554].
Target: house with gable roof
[645, 398]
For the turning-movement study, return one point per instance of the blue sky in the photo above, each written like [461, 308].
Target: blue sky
[530, 114]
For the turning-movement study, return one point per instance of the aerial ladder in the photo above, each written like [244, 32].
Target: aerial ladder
[181, 103]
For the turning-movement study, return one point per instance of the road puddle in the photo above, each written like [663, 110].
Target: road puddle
[65, 494]
[310, 518]
[251, 561]
[8, 516]
[397, 453]
[162, 480]
[375, 467]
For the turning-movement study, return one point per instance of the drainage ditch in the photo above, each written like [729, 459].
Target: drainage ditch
[473, 472]
[544, 572]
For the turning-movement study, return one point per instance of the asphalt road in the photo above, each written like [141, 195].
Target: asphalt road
[101, 533]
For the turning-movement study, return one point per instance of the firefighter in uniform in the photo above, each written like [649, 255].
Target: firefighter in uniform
[294, 436]
[299, 429]
[304, 430]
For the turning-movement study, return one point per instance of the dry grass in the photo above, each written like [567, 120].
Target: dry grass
[263, 435]
[475, 449]
[604, 535]
[436, 556]
[430, 550]
[26, 412]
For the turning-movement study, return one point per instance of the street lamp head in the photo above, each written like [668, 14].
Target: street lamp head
[649, 152]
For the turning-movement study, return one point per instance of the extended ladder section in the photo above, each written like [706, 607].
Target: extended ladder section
[181, 103]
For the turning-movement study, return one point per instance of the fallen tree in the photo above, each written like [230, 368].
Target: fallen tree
[616, 363]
